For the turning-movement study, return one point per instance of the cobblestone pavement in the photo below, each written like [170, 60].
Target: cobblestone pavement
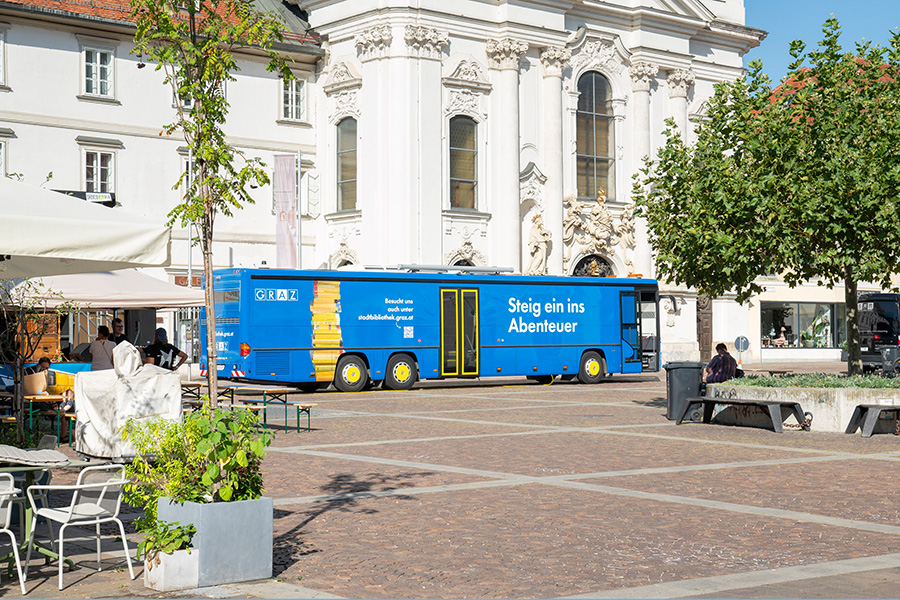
[533, 491]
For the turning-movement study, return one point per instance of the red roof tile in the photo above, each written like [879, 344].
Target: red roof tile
[116, 10]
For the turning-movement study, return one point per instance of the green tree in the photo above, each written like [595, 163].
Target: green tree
[801, 180]
[194, 43]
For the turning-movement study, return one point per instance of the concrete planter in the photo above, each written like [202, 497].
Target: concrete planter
[177, 571]
[831, 408]
[234, 539]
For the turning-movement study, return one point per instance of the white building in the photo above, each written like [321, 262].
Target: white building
[431, 132]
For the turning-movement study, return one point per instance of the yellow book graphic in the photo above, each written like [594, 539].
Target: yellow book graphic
[325, 319]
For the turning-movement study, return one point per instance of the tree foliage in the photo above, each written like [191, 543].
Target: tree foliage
[194, 42]
[801, 179]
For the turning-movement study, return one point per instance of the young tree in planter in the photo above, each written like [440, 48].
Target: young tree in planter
[801, 180]
[27, 317]
[194, 43]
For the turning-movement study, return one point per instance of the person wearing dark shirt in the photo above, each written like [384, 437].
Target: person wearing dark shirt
[42, 365]
[722, 367]
[163, 354]
[118, 334]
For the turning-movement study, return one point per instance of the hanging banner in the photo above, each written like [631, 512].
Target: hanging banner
[284, 185]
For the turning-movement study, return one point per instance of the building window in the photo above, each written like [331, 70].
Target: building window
[99, 171]
[98, 72]
[346, 164]
[2, 158]
[463, 162]
[293, 103]
[595, 140]
[2, 57]
[802, 325]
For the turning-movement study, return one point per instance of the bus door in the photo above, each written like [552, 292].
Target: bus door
[649, 319]
[460, 350]
[631, 329]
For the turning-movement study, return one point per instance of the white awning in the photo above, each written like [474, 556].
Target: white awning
[111, 290]
[48, 233]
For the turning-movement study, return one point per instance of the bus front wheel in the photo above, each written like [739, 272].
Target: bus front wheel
[351, 374]
[593, 368]
[401, 373]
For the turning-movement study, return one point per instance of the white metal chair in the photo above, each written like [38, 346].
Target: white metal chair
[8, 491]
[47, 442]
[96, 499]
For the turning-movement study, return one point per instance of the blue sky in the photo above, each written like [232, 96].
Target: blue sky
[788, 20]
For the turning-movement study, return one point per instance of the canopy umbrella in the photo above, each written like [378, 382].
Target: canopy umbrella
[48, 233]
[117, 290]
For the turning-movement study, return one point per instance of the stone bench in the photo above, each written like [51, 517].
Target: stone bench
[773, 407]
[866, 416]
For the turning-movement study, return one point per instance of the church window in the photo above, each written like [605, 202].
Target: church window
[463, 162]
[595, 140]
[346, 164]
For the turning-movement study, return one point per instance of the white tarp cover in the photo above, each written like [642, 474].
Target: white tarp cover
[125, 289]
[48, 233]
[105, 400]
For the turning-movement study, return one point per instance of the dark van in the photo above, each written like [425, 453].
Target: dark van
[879, 327]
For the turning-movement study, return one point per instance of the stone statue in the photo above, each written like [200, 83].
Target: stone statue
[538, 246]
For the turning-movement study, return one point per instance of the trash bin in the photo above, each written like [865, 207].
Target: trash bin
[682, 382]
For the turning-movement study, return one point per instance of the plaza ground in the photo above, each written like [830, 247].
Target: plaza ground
[513, 489]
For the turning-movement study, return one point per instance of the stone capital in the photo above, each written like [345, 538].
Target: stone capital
[425, 42]
[374, 42]
[642, 75]
[505, 53]
[554, 60]
[680, 81]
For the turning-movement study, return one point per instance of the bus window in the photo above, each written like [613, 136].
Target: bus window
[449, 328]
[470, 331]
[631, 350]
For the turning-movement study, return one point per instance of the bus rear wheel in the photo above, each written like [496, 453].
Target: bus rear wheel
[351, 374]
[401, 373]
[593, 368]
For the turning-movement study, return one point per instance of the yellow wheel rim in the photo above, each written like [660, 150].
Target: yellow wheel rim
[352, 374]
[593, 368]
[402, 372]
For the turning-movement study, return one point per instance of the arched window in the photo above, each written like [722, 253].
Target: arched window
[463, 162]
[596, 144]
[593, 266]
[346, 164]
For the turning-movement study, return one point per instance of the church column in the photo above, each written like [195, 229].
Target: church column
[642, 75]
[680, 81]
[553, 60]
[506, 236]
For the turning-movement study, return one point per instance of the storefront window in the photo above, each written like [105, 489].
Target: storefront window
[802, 325]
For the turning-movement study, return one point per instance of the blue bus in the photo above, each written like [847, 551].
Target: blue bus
[355, 329]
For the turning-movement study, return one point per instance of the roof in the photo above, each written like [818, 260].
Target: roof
[119, 12]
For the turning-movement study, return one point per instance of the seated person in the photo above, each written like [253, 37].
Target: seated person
[68, 402]
[722, 367]
[42, 365]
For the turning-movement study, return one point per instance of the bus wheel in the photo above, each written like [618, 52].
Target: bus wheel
[351, 374]
[401, 372]
[593, 368]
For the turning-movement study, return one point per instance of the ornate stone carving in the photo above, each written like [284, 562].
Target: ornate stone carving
[671, 308]
[531, 186]
[591, 226]
[554, 60]
[466, 252]
[538, 246]
[344, 104]
[425, 42]
[642, 75]
[469, 71]
[680, 81]
[625, 232]
[505, 53]
[341, 76]
[597, 54]
[374, 42]
[465, 102]
[342, 256]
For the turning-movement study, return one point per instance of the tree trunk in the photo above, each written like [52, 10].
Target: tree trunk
[854, 355]
[212, 372]
[19, 399]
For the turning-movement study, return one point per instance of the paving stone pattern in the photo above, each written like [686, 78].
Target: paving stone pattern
[533, 491]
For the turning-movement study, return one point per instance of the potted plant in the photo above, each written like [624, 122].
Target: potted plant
[206, 472]
[169, 563]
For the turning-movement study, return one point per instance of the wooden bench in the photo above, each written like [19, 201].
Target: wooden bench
[867, 416]
[191, 389]
[70, 420]
[773, 407]
[303, 408]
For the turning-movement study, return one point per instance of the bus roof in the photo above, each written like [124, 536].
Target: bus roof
[396, 275]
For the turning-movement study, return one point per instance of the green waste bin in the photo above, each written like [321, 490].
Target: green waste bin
[683, 381]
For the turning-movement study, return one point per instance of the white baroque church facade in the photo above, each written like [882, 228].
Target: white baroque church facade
[431, 132]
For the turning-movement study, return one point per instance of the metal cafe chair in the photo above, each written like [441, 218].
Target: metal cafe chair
[96, 499]
[8, 491]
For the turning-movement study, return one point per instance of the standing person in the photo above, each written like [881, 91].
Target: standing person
[102, 350]
[722, 367]
[163, 354]
[118, 335]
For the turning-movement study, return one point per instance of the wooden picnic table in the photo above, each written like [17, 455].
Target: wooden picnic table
[45, 399]
[269, 394]
[191, 389]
